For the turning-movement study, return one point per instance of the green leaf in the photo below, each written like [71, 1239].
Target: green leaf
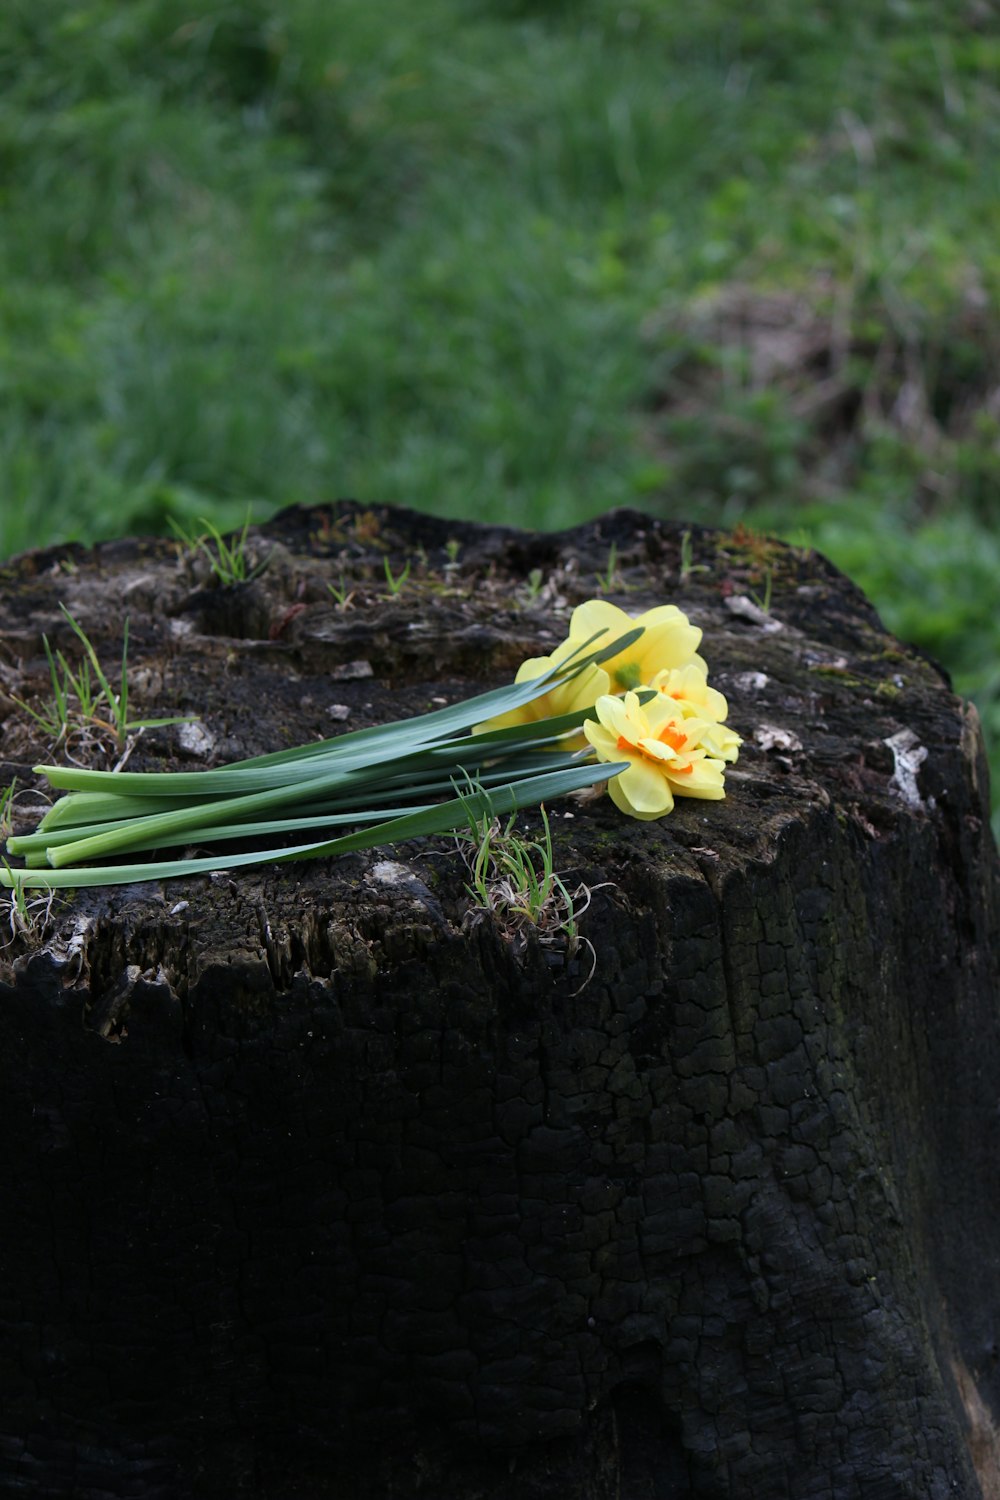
[438, 819]
[329, 787]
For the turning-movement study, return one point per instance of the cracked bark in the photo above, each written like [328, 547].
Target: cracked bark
[311, 1191]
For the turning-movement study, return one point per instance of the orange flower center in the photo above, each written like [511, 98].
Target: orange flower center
[668, 735]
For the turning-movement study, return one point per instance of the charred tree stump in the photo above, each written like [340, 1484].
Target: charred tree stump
[314, 1189]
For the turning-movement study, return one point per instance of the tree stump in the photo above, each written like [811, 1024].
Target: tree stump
[315, 1188]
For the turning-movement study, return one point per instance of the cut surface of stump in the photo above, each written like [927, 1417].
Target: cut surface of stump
[321, 1184]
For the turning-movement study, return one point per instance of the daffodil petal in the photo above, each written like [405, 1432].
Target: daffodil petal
[532, 668]
[604, 743]
[662, 614]
[705, 780]
[621, 801]
[656, 750]
[597, 614]
[671, 644]
[688, 687]
[646, 788]
[613, 715]
[582, 691]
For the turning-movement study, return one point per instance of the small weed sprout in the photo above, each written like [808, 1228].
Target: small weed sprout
[609, 579]
[533, 587]
[60, 714]
[342, 595]
[53, 717]
[452, 548]
[397, 581]
[688, 566]
[763, 602]
[536, 590]
[228, 560]
[612, 579]
[23, 916]
[97, 706]
[7, 810]
[515, 880]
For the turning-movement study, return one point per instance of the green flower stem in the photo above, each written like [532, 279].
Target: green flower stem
[107, 815]
[441, 818]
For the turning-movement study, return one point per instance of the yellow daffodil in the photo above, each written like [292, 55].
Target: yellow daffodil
[668, 640]
[688, 687]
[666, 754]
[665, 655]
[567, 697]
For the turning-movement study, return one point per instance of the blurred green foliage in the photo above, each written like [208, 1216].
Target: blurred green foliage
[523, 259]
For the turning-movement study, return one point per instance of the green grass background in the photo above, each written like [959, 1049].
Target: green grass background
[515, 259]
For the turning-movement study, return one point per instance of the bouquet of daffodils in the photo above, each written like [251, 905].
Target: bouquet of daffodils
[621, 701]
